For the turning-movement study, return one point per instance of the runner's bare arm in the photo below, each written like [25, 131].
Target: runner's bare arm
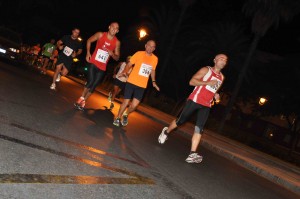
[90, 40]
[79, 52]
[195, 80]
[217, 95]
[153, 80]
[116, 53]
[125, 72]
[74, 54]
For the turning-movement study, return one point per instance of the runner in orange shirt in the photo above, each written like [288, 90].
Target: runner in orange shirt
[145, 63]
[35, 50]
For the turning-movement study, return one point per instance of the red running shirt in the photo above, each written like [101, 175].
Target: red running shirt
[204, 94]
[100, 55]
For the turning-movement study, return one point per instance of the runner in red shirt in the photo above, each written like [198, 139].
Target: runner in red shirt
[207, 82]
[107, 46]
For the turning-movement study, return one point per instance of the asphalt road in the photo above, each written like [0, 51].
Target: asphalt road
[48, 149]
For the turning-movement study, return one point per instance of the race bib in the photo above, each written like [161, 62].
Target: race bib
[214, 88]
[101, 56]
[50, 50]
[67, 51]
[145, 70]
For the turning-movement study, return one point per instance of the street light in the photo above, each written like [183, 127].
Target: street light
[262, 101]
[143, 33]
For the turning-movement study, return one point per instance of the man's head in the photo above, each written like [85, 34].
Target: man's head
[75, 33]
[113, 28]
[220, 60]
[150, 46]
[52, 41]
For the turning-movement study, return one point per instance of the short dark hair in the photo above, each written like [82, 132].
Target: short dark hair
[76, 28]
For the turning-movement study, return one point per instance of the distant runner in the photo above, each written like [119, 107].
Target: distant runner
[70, 47]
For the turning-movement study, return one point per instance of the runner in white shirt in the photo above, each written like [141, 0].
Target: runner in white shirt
[119, 81]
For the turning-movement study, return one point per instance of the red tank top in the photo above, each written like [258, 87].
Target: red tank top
[204, 94]
[100, 55]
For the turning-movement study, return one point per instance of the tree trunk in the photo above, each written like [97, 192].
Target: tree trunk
[167, 56]
[242, 73]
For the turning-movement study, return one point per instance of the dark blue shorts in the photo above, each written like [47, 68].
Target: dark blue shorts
[133, 91]
[67, 61]
[119, 83]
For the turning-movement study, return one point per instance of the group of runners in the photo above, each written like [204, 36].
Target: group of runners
[133, 77]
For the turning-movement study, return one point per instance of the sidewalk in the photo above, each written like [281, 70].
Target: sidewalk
[269, 167]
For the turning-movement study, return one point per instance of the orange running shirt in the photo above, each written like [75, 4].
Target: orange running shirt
[36, 50]
[143, 65]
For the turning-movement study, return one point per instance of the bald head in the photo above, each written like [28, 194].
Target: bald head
[221, 56]
[150, 46]
[114, 24]
[151, 42]
[220, 61]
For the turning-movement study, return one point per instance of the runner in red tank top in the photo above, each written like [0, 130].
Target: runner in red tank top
[107, 46]
[203, 94]
[207, 82]
[101, 54]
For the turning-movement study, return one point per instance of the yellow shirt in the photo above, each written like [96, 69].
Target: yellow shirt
[143, 65]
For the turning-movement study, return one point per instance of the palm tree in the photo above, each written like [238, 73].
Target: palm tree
[162, 25]
[185, 4]
[282, 98]
[265, 14]
[195, 45]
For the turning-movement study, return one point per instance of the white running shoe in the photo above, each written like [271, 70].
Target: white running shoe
[163, 136]
[124, 121]
[194, 158]
[58, 78]
[53, 86]
[117, 122]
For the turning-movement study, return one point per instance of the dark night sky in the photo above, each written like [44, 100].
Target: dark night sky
[40, 20]
[92, 16]
[89, 15]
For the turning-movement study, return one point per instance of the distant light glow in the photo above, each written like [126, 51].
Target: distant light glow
[13, 49]
[75, 59]
[143, 33]
[262, 101]
[2, 50]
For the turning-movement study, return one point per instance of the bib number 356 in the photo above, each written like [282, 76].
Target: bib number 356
[145, 70]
